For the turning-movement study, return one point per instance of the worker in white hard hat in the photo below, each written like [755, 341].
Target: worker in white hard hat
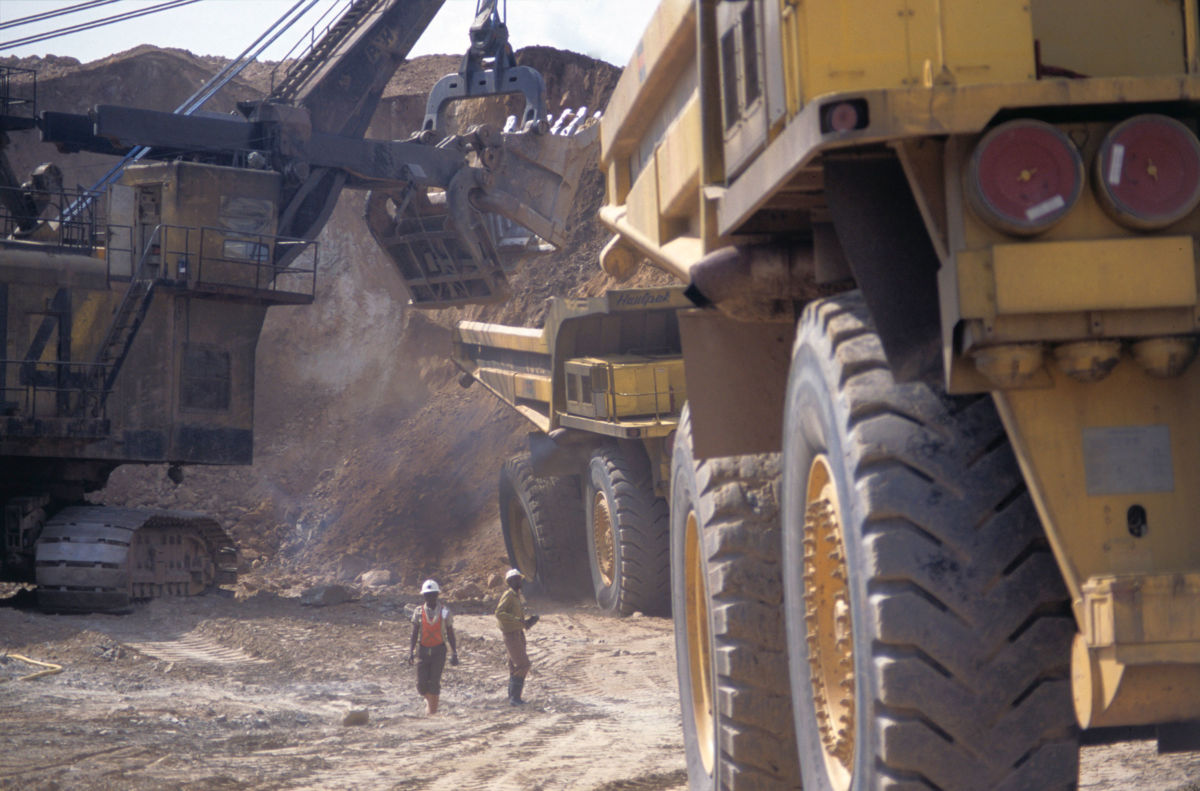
[510, 613]
[433, 627]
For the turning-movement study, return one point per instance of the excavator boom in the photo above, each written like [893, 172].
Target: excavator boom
[132, 339]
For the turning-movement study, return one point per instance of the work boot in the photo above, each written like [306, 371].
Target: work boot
[515, 686]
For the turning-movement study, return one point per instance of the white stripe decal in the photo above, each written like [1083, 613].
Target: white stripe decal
[1114, 167]
[1045, 207]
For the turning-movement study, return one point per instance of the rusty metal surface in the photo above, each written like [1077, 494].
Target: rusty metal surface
[98, 559]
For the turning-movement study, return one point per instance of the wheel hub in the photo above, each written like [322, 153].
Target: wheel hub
[828, 624]
[602, 532]
[698, 657]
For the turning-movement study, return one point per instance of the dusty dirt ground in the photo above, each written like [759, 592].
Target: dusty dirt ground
[224, 692]
[216, 693]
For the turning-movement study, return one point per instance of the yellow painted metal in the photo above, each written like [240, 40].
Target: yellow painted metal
[982, 42]
[1110, 693]
[30, 266]
[642, 204]
[231, 249]
[791, 21]
[1009, 364]
[1164, 357]
[675, 256]
[975, 285]
[1087, 361]
[619, 260]
[699, 642]
[1102, 274]
[625, 386]
[90, 321]
[678, 163]
[1097, 445]
[516, 385]
[626, 428]
[853, 45]
[1144, 618]
[524, 392]
[1128, 38]
[500, 336]
[1191, 26]
[828, 626]
[1084, 275]
[667, 43]
[1084, 278]
[872, 44]
[1111, 467]
[1137, 657]
[604, 538]
[1092, 452]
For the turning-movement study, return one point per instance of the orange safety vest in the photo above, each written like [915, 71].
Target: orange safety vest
[431, 631]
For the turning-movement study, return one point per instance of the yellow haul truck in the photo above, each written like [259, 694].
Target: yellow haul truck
[602, 384]
[933, 501]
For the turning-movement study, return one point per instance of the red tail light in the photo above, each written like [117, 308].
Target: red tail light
[1024, 176]
[1148, 171]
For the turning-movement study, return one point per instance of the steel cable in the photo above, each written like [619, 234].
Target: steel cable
[25, 20]
[103, 21]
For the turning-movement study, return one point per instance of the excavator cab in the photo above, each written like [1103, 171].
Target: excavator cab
[447, 243]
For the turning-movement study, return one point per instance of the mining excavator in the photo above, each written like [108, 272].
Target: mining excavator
[130, 313]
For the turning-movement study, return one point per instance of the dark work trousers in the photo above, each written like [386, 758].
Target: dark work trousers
[431, 662]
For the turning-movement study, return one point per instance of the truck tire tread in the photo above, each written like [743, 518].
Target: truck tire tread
[971, 622]
[737, 507]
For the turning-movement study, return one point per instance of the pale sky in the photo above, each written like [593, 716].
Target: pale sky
[604, 29]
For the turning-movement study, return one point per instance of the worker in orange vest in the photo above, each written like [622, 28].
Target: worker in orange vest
[433, 627]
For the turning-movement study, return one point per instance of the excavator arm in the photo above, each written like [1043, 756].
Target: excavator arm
[247, 191]
[339, 84]
[430, 191]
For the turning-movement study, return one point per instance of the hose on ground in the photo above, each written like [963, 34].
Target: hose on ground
[50, 668]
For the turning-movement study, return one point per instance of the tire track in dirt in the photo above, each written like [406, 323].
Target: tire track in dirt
[195, 648]
[255, 697]
[73, 760]
[567, 729]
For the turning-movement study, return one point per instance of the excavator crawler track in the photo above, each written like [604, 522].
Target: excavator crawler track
[99, 559]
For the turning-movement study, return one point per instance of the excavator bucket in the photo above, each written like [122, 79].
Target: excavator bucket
[445, 243]
[441, 263]
[537, 175]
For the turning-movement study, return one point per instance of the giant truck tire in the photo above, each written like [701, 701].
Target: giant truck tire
[627, 532]
[542, 523]
[928, 627]
[727, 591]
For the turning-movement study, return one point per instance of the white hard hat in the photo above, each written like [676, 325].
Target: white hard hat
[513, 573]
[429, 586]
